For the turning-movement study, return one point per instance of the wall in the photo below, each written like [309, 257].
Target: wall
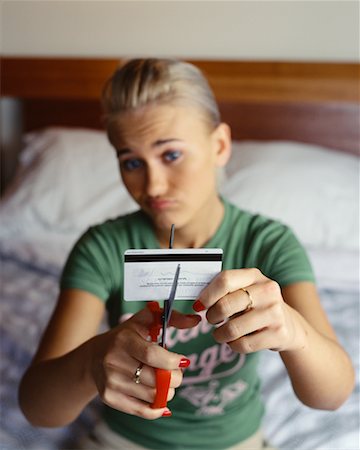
[255, 30]
[293, 30]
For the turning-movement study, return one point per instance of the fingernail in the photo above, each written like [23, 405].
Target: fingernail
[184, 362]
[167, 413]
[198, 306]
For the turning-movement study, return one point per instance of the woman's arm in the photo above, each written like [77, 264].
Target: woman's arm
[291, 322]
[58, 384]
[321, 372]
[73, 364]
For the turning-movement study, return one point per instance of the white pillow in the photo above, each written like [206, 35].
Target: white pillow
[312, 189]
[68, 179]
[336, 269]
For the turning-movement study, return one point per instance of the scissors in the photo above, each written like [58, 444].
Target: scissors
[160, 322]
[168, 306]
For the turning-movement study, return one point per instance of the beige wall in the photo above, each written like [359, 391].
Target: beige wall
[289, 29]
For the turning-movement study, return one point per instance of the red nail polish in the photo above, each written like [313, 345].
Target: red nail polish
[198, 306]
[167, 413]
[184, 362]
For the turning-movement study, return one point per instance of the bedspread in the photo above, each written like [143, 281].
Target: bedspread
[28, 295]
[291, 425]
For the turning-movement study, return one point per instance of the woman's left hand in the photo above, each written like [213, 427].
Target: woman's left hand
[250, 312]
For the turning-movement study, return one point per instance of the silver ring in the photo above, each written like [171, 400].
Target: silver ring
[250, 305]
[138, 373]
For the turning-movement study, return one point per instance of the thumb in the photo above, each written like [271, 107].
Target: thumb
[146, 317]
[182, 321]
[142, 321]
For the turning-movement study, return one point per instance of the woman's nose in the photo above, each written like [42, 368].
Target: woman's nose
[156, 183]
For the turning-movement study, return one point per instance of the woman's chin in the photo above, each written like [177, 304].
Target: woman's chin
[163, 221]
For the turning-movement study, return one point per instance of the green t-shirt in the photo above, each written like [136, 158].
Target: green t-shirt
[218, 403]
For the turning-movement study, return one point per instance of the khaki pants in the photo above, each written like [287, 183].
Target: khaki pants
[103, 438]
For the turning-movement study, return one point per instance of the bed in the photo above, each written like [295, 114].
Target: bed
[295, 158]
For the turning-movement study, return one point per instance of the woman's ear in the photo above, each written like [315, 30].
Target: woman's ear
[221, 138]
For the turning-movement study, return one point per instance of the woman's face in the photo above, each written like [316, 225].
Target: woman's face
[168, 159]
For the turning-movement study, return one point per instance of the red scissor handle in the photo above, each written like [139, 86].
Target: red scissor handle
[162, 376]
[162, 388]
[156, 326]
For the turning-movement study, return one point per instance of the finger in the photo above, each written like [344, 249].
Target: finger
[144, 316]
[154, 355]
[226, 282]
[141, 322]
[260, 340]
[120, 382]
[239, 326]
[233, 303]
[128, 343]
[147, 376]
[131, 405]
[182, 321]
[129, 349]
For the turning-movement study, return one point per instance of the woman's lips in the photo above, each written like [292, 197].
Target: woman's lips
[160, 204]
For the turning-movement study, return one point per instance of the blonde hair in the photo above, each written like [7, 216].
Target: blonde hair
[152, 81]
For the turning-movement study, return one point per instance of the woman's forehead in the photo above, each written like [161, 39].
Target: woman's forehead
[155, 123]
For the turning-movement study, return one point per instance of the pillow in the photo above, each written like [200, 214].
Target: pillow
[68, 179]
[336, 269]
[312, 189]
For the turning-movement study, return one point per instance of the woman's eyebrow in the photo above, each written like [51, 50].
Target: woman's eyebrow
[157, 143]
[165, 141]
[122, 151]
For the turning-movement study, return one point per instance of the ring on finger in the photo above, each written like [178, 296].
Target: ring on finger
[138, 373]
[250, 305]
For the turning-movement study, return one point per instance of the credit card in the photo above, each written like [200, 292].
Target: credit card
[149, 274]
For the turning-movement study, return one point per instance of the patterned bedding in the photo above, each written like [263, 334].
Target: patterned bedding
[28, 294]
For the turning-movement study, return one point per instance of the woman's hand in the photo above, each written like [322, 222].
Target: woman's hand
[250, 312]
[120, 351]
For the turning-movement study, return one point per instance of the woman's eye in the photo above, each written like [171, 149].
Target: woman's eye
[172, 155]
[130, 164]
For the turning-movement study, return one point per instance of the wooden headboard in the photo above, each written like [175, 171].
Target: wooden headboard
[308, 102]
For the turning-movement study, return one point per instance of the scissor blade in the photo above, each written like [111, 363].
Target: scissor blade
[168, 305]
[170, 302]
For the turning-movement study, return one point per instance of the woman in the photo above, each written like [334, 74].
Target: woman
[164, 124]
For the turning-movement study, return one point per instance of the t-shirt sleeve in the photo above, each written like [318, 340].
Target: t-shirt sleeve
[87, 266]
[282, 257]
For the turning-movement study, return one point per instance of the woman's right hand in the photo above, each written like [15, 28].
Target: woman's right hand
[119, 352]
